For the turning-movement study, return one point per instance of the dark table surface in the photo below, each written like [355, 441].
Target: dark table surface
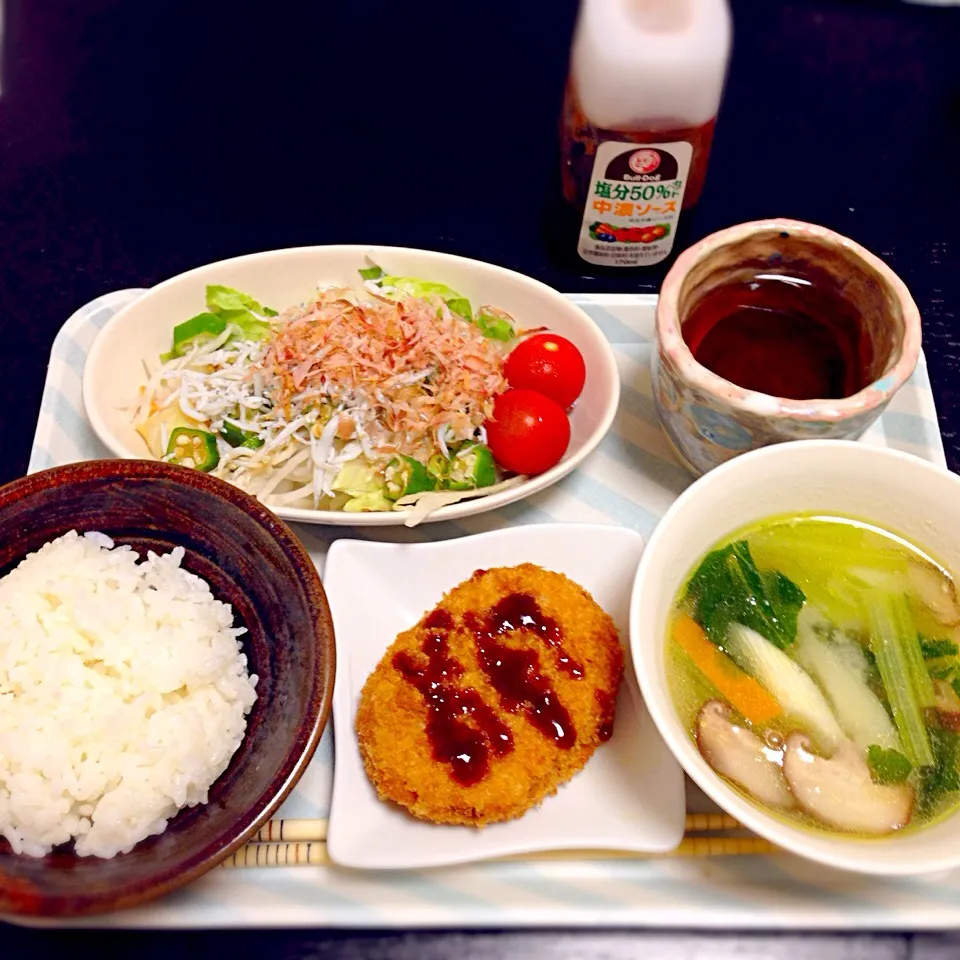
[139, 139]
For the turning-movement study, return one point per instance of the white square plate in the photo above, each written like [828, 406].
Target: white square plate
[630, 794]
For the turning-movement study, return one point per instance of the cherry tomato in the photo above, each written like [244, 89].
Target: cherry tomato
[529, 432]
[549, 364]
[658, 231]
[648, 238]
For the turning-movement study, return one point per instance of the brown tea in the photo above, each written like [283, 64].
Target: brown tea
[781, 335]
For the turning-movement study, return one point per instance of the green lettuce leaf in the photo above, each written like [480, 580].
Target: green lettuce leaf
[241, 310]
[402, 288]
[495, 328]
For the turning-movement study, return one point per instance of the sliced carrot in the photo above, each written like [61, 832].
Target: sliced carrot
[742, 692]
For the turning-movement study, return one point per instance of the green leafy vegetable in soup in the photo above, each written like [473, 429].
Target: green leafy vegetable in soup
[728, 588]
[850, 637]
[887, 766]
[940, 781]
[934, 649]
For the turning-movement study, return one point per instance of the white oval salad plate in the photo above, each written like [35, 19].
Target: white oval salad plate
[227, 300]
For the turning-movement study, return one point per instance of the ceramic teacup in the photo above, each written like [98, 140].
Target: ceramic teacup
[709, 419]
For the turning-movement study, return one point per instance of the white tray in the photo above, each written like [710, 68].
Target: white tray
[630, 480]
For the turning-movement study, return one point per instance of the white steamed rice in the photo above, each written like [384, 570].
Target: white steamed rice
[123, 695]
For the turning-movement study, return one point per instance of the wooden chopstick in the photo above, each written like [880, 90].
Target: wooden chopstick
[312, 831]
[314, 853]
[291, 830]
[288, 843]
[710, 823]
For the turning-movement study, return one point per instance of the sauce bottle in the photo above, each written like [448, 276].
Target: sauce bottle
[645, 82]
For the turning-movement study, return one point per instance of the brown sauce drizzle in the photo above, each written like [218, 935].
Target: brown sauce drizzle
[608, 707]
[438, 619]
[513, 672]
[452, 740]
[519, 611]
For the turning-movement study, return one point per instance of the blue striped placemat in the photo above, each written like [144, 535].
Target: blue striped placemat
[630, 480]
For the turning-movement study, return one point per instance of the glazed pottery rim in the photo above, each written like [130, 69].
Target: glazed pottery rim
[297, 759]
[872, 396]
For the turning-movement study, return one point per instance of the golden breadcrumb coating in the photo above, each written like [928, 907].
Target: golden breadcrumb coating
[393, 713]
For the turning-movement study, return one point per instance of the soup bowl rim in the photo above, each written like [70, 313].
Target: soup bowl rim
[887, 855]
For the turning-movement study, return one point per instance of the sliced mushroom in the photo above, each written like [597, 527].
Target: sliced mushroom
[936, 591]
[740, 755]
[840, 792]
[948, 705]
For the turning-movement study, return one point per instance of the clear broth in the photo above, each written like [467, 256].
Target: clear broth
[690, 689]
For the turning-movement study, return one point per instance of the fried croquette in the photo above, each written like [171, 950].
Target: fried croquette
[496, 697]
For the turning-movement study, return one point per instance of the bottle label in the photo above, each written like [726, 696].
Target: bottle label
[633, 204]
